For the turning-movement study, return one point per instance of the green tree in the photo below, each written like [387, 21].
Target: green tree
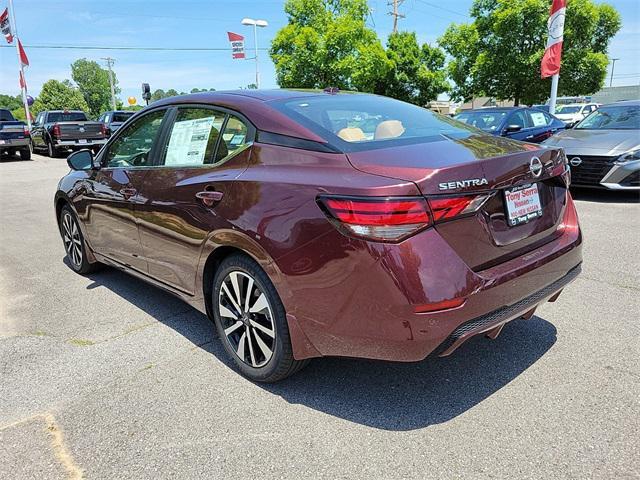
[93, 82]
[418, 73]
[326, 43]
[499, 53]
[158, 94]
[9, 102]
[56, 95]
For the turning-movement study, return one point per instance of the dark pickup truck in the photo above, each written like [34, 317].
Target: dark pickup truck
[55, 131]
[14, 136]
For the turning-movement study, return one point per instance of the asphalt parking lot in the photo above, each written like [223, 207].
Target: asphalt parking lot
[107, 377]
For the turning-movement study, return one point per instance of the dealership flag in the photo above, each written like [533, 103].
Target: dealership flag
[6, 26]
[23, 56]
[555, 27]
[237, 45]
[23, 84]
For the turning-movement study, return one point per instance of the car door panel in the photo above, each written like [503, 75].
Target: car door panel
[184, 203]
[110, 221]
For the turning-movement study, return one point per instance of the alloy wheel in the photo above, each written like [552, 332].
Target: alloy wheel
[72, 240]
[247, 319]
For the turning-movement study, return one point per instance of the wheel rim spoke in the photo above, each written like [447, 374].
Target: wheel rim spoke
[247, 297]
[250, 342]
[240, 351]
[262, 328]
[260, 304]
[233, 328]
[266, 351]
[225, 312]
[230, 297]
[236, 288]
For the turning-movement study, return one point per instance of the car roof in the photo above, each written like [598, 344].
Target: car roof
[65, 111]
[492, 109]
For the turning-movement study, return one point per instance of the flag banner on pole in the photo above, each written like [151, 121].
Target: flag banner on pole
[555, 27]
[237, 45]
[23, 56]
[6, 26]
[23, 84]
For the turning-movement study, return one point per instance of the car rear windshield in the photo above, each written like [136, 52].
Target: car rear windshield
[361, 122]
[622, 117]
[121, 117]
[485, 120]
[6, 116]
[66, 117]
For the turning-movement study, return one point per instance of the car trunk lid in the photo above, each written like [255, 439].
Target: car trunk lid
[477, 164]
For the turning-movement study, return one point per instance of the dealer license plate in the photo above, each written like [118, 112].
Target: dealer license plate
[82, 141]
[523, 204]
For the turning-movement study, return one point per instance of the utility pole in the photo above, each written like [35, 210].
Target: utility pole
[110, 61]
[613, 65]
[395, 14]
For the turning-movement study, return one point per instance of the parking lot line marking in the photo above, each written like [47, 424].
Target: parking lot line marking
[58, 445]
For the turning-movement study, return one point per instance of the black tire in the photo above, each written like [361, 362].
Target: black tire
[51, 150]
[73, 241]
[25, 154]
[281, 363]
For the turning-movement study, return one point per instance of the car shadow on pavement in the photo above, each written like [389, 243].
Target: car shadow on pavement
[384, 395]
[605, 196]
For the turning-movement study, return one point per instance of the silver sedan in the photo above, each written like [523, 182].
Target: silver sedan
[604, 148]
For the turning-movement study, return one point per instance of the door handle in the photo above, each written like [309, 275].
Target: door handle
[209, 197]
[128, 192]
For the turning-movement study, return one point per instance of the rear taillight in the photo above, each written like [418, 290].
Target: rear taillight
[384, 219]
[55, 131]
[391, 219]
[447, 208]
[25, 130]
[103, 129]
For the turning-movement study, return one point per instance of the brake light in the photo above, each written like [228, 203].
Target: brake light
[385, 219]
[25, 130]
[55, 131]
[103, 129]
[446, 208]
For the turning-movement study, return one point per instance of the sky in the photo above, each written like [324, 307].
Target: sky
[202, 23]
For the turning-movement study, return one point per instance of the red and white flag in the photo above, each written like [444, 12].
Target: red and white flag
[5, 26]
[23, 83]
[237, 45]
[555, 27]
[23, 56]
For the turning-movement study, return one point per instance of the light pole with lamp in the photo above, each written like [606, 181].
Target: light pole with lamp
[613, 65]
[256, 24]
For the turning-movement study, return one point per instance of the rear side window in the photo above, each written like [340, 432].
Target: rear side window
[194, 137]
[120, 117]
[234, 138]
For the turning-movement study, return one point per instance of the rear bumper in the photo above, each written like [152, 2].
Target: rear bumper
[369, 309]
[14, 143]
[78, 143]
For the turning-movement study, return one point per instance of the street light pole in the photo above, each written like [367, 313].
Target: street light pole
[255, 24]
[613, 65]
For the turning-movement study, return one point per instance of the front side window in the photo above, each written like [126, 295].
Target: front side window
[539, 119]
[484, 120]
[194, 136]
[518, 119]
[133, 145]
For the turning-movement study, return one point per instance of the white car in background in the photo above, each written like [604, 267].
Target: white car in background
[572, 113]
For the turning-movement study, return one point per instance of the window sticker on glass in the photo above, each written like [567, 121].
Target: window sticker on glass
[237, 139]
[538, 119]
[189, 140]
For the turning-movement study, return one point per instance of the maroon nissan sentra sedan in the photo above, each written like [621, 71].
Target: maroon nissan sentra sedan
[311, 223]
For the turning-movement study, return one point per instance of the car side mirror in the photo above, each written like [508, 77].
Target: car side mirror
[81, 160]
[512, 128]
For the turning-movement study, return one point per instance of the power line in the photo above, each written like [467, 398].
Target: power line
[160, 49]
[443, 8]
